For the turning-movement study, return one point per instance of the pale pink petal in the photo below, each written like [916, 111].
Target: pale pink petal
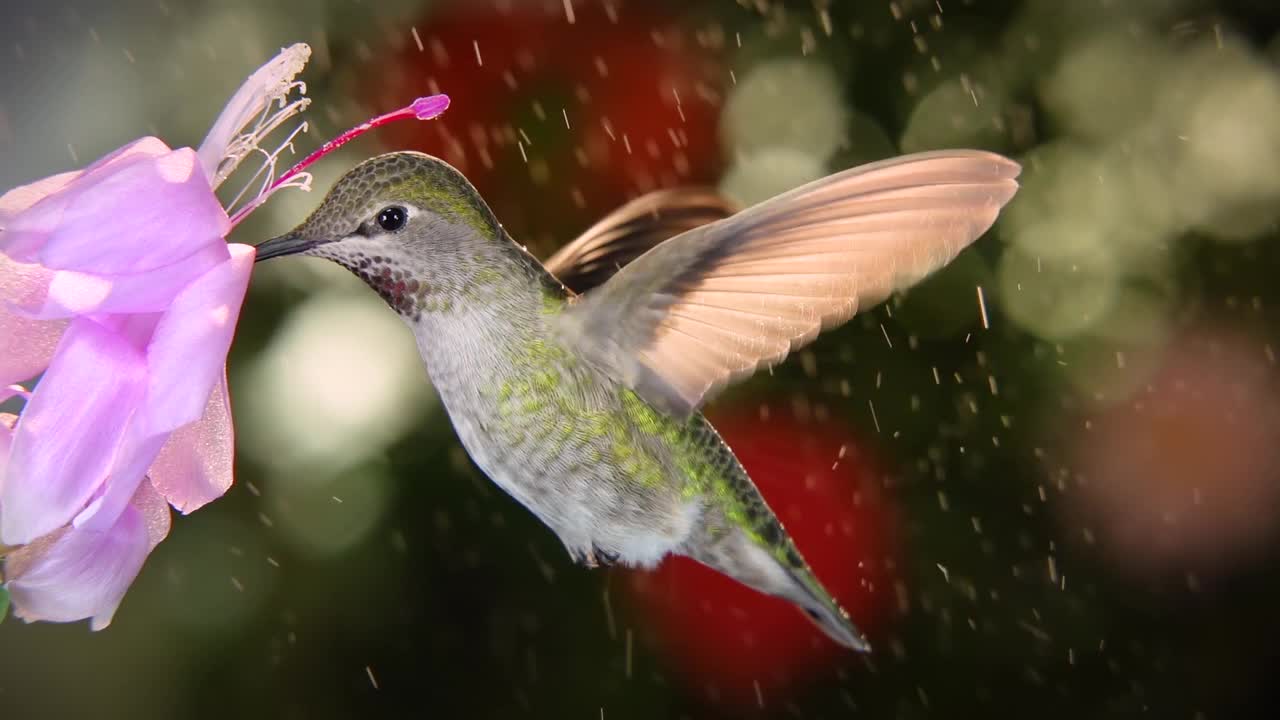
[188, 351]
[73, 293]
[128, 469]
[26, 345]
[155, 514]
[7, 421]
[22, 284]
[146, 214]
[194, 467]
[149, 146]
[76, 573]
[49, 198]
[21, 198]
[136, 328]
[70, 432]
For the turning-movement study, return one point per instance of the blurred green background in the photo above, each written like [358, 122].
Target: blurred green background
[1071, 433]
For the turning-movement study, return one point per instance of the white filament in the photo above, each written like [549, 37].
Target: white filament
[248, 141]
[259, 107]
[265, 177]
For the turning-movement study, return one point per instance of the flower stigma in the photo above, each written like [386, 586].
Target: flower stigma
[423, 108]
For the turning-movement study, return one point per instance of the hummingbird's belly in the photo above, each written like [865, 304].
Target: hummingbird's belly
[560, 442]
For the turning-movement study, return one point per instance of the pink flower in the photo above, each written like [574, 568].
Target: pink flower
[116, 283]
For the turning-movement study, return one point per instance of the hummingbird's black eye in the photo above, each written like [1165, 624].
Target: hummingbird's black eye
[392, 218]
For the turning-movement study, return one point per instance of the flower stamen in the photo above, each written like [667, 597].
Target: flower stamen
[269, 169]
[247, 142]
[424, 108]
[258, 107]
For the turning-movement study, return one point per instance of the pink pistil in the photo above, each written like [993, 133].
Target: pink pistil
[424, 108]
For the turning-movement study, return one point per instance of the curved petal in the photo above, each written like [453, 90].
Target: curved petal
[73, 293]
[71, 431]
[23, 197]
[188, 351]
[51, 196]
[149, 146]
[76, 573]
[22, 284]
[26, 344]
[7, 421]
[194, 467]
[125, 476]
[146, 213]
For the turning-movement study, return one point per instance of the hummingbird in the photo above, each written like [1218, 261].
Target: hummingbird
[575, 385]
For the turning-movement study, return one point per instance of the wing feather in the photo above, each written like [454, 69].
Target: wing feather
[632, 230]
[719, 301]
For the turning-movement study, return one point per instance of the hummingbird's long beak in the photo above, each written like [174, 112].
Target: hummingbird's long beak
[288, 244]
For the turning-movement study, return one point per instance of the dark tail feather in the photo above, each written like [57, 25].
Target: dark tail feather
[741, 558]
[818, 605]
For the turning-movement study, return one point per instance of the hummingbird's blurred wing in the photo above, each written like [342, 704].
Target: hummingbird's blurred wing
[714, 304]
[632, 230]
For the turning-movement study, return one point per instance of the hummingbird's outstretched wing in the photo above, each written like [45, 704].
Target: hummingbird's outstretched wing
[714, 304]
[632, 230]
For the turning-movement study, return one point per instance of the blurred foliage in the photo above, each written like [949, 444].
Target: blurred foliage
[362, 566]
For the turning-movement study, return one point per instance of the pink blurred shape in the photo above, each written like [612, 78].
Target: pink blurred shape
[1182, 477]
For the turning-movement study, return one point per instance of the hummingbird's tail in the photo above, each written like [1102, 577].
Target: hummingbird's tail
[758, 567]
[820, 607]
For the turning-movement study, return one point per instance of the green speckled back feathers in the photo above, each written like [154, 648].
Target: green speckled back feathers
[585, 407]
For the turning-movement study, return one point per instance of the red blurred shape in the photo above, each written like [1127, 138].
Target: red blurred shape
[1183, 477]
[552, 120]
[744, 647]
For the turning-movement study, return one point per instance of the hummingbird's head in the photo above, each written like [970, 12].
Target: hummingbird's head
[410, 225]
